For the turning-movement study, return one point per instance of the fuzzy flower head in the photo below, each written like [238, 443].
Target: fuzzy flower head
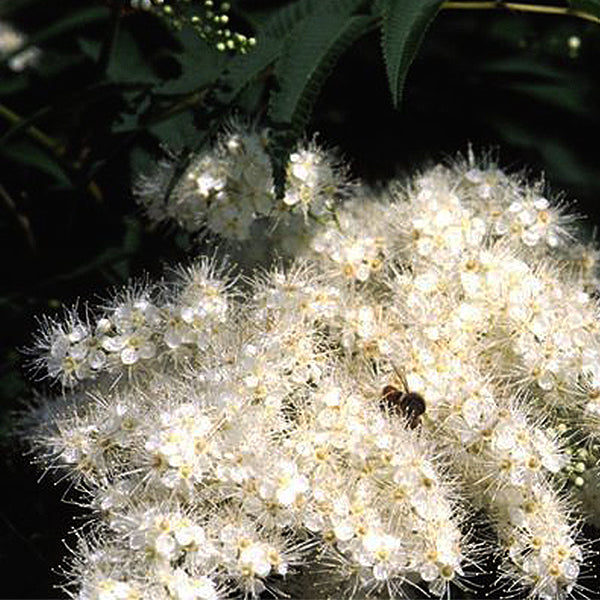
[228, 190]
[519, 212]
[223, 189]
[233, 434]
[142, 326]
[314, 181]
[70, 351]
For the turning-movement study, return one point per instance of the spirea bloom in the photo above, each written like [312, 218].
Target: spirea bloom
[231, 434]
[228, 190]
[11, 40]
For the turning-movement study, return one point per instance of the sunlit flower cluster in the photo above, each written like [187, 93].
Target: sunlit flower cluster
[229, 190]
[232, 436]
[145, 325]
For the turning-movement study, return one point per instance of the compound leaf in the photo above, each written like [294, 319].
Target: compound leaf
[404, 23]
[311, 52]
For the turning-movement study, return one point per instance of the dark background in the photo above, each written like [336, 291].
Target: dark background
[69, 228]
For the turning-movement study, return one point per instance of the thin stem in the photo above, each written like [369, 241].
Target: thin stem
[52, 146]
[518, 7]
[32, 131]
[20, 218]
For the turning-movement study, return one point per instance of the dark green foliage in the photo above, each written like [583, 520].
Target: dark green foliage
[313, 48]
[404, 25]
[181, 83]
[283, 21]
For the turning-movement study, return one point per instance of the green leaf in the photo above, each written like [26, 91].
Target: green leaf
[310, 53]
[128, 62]
[176, 131]
[404, 25]
[589, 6]
[201, 64]
[547, 84]
[29, 155]
[566, 98]
[243, 69]
[14, 84]
[89, 48]
[285, 19]
[521, 68]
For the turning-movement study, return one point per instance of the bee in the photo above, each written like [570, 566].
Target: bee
[410, 405]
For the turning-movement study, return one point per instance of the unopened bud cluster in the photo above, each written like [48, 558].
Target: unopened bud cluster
[211, 23]
[230, 434]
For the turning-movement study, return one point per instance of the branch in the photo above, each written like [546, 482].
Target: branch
[50, 145]
[33, 132]
[517, 7]
[21, 219]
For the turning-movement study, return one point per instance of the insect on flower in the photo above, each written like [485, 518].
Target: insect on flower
[410, 405]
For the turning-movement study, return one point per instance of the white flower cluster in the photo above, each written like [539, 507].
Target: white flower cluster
[10, 42]
[270, 435]
[229, 189]
[143, 326]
